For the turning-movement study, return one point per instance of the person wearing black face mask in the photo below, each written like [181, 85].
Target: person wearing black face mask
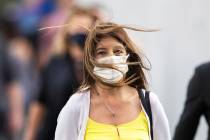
[76, 44]
[77, 39]
[59, 81]
[60, 78]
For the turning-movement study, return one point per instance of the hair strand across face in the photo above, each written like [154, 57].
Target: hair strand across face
[135, 76]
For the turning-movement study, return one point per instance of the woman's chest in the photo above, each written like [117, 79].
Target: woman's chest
[114, 113]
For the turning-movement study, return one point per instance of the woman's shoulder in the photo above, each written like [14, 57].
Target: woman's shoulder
[78, 98]
[154, 101]
[75, 102]
[153, 97]
[160, 121]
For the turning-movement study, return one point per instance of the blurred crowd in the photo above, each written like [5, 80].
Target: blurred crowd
[40, 69]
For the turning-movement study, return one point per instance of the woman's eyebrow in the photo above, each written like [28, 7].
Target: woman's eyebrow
[98, 49]
[120, 46]
[104, 48]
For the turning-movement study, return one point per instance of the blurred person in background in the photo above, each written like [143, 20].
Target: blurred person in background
[61, 76]
[57, 17]
[197, 104]
[23, 62]
[11, 107]
[19, 23]
[28, 16]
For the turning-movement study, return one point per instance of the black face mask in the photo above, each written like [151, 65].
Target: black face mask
[78, 39]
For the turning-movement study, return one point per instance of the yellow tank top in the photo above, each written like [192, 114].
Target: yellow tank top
[134, 130]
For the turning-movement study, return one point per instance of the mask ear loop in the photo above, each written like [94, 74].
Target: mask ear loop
[127, 57]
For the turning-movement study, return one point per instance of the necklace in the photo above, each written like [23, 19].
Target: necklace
[113, 113]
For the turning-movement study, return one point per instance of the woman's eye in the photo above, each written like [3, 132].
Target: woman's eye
[118, 52]
[101, 53]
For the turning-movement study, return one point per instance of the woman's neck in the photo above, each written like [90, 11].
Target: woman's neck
[114, 92]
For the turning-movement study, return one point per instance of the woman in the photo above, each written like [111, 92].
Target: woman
[107, 106]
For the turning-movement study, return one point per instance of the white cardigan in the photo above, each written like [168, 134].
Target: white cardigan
[73, 118]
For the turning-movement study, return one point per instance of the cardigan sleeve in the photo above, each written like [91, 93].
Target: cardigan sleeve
[67, 122]
[161, 130]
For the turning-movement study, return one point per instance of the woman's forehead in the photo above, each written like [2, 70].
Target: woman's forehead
[109, 42]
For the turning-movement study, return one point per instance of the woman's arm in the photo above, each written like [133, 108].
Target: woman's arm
[35, 117]
[67, 123]
[161, 130]
[16, 107]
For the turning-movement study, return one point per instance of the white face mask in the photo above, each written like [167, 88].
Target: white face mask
[109, 75]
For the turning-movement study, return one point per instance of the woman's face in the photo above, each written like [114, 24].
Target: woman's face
[109, 47]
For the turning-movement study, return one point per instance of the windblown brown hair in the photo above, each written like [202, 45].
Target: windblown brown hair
[135, 76]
